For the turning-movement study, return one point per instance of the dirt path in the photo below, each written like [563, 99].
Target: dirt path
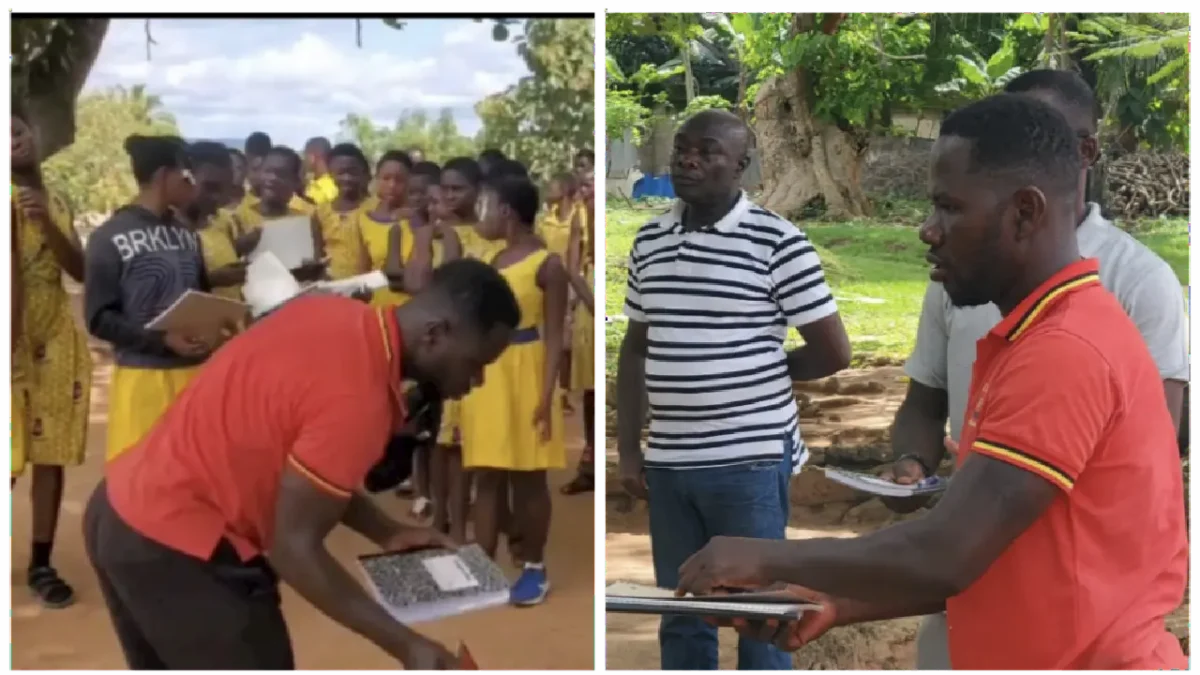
[557, 635]
[845, 422]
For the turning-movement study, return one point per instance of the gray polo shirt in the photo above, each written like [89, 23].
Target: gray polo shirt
[1143, 283]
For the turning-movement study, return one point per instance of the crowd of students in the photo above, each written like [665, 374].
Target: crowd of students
[488, 304]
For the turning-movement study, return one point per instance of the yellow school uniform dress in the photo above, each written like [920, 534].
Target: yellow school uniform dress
[52, 378]
[248, 214]
[216, 242]
[473, 246]
[343, 241]
[555, 231]
[583, 340]
[498, 430]
[322, 190]
[376, 237]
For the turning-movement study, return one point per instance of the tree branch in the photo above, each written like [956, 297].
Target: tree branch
[149, 38]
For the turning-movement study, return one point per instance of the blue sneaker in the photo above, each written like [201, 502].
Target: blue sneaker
[531, 587]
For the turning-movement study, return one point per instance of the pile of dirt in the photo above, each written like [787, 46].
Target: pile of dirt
[880, 645]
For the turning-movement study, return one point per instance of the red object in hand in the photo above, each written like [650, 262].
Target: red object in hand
[465, 660]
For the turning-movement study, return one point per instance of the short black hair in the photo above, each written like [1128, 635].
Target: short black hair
[258, 144]
[1021, 136]
[519, 194]
[148, 154]
[349, 150]
[478, 292]
[291, 155]
[209, 153]
[586, 152]
[1066, 84]
[317, 144]
[395, 156]
[465, 167]
[429, 170]
[508, 167]
[492, 155]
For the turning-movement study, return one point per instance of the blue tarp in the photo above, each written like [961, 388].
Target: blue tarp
[653, 186]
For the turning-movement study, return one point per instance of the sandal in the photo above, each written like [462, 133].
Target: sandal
[50, 589]
[583, 482]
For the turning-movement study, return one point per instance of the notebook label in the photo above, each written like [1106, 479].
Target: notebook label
[450, 573]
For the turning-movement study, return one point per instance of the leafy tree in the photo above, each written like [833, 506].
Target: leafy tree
[548, 116]
[438, 138]
[93, 174]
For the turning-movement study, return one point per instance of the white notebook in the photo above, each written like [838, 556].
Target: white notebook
[371, 281]
[289, 239]
[875, 485]
[431, 584]
[637, 599]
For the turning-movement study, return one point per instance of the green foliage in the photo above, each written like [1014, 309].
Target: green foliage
[705, 103]
[980, 77]
[623, 111]
[1142, 68]
[438, 138]
[93, 174]
[548, 116]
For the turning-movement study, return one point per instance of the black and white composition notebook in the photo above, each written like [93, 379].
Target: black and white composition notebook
[432, 584]
[628, 598]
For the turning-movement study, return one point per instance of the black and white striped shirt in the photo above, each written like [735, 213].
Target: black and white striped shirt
[718, 302]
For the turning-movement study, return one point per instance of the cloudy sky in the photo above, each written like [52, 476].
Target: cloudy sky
[297, 78]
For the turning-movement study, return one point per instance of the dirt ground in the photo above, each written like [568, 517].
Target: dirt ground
[845, 422]
[557, 635]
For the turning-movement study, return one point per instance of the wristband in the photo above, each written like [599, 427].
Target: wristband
[918, 460]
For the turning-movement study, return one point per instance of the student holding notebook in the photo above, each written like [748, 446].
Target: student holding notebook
[138, 263]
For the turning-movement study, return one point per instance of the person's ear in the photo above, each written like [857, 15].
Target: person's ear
[1089, 148]
[1029, 207]
[436, 330]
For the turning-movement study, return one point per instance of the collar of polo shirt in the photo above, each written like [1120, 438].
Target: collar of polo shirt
[726, 224]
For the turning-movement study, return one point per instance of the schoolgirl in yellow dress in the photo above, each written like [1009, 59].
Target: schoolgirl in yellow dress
[385, 229]
[341, 239]
[581, 270]
[554, 226]
[279, 181]
[51, 362]
[512, 425]
[213, 171]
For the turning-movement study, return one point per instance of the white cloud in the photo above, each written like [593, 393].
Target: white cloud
[298, 79]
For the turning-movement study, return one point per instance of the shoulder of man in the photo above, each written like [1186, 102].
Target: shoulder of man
[1127, 265]
[658, 224]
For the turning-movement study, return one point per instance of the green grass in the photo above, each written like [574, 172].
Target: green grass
[875, 267]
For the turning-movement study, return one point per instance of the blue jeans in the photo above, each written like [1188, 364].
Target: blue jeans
[689, 507]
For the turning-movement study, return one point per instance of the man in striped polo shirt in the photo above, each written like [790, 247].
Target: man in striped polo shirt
[714, 284]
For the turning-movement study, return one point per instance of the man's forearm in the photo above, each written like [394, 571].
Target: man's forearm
[858, 611]
[318, 578]
[370, 521]
[631, 402]
[901, 566]
[916, 432]
[806, 364]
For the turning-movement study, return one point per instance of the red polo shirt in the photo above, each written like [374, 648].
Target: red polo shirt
[1064, 387]
[315, 385]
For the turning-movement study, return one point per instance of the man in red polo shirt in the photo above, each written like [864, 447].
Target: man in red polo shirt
[262, 456]
[1060, 543]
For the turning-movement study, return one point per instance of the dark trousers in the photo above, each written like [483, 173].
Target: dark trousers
[173, 611]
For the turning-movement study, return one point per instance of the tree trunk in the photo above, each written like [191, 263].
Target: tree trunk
[689, 82]
[802, 157]
[51, 84]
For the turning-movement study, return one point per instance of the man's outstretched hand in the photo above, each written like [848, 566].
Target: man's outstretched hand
[790, 635]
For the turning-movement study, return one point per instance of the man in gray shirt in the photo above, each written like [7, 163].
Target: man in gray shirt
[942, 359]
